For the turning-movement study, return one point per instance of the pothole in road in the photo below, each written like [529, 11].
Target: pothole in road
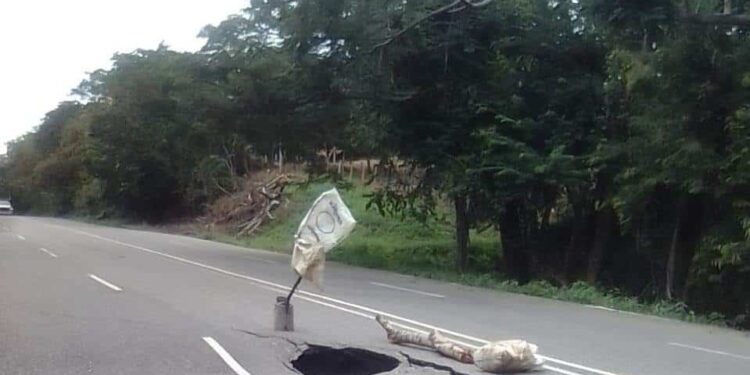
[323, 360]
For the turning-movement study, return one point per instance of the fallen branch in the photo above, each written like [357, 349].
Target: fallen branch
[400, 336]
[248, 211]
[450, 349]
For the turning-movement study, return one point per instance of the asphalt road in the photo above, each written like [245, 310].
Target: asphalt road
[84, 299]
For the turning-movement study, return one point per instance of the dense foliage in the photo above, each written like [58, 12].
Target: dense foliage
[606, 141]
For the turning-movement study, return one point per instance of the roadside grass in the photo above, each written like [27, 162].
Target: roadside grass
[377, 242]
[411, 247]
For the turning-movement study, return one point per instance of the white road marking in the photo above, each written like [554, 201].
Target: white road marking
[20, 237]
[48, 252]
[626, 312]
[719, 352]
[408, 290]
[266, 261]
[105, 283]
[228, 359]
[559, 370]
[315, 299]
[602, 308]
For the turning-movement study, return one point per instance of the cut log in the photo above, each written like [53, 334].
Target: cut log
[450, 349]
[402, 336]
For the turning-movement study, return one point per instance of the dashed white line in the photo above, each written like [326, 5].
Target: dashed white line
[266, 261]
[407, 290]
[48, 252]
[609, 309]
[105, 283]
[602, 308]
[335, 303]
[228, 359]
[718, 352]
[20, 237]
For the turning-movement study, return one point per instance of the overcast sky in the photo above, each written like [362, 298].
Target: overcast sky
[48, 46]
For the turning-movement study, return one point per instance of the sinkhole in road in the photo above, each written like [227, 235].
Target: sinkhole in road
[323, 360]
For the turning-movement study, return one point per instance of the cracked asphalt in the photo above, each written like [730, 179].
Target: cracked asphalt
[83, 299]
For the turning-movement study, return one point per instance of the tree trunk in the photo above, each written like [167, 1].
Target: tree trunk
[669, 281]
[579, 244]
[462, 231]
[545, 218]
[727, 7]
[685, 237]
[515, 255]
[606, 223]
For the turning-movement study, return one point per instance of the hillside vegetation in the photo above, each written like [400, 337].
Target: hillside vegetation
[544, 142]
[425, 249]
[378, 241]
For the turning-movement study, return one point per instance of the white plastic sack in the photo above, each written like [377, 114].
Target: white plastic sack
[507, 356]
[326, 224]
[309, 262]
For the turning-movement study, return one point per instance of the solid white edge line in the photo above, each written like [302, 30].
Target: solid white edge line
[20, 237]
[226, 357]
[719, 352]
[105, 283]
[389, 286]
[283, 288]
[48, 252]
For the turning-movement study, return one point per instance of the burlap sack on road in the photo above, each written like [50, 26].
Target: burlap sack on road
[508, 356]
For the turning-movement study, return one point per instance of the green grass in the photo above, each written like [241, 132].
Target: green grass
[581, 292]
[376, 242]
[426, 250]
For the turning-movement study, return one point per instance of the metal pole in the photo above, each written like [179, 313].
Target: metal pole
[291, 292]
